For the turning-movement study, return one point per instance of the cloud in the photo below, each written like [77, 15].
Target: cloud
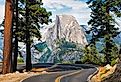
[77, 8]
[75, 4]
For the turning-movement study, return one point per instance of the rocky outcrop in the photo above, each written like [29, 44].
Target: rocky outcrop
[66, 27]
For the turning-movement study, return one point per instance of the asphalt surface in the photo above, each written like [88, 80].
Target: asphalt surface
[82, 76]
[62, 70]
[47, 77]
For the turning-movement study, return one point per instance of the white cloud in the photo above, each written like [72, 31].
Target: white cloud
[78, 9]
[69, 3]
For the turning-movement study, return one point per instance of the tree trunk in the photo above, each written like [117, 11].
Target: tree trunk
[28, 53]
[7, 52]
[16, 39]
[28, 49]
[15, 55]
[108, 60]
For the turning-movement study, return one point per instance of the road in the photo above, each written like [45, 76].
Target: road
[50, 77]
[82, 76]
[65, 73]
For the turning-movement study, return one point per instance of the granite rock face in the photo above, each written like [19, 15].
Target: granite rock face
[66, 27]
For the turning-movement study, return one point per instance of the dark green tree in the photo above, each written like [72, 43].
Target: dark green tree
[30, 16]
[103, 24]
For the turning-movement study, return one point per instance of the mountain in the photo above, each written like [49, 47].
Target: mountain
[66, 27]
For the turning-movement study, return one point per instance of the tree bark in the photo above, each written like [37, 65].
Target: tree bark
[28, 49]
[7, 51]
[16, 39]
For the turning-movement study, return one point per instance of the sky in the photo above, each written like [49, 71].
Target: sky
[78, 8]
[2, 9]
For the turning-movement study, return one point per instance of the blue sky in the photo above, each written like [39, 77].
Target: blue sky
[77, 8]
[2, 9]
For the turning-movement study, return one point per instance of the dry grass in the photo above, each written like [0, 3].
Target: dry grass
[103, 73]
[17, 77]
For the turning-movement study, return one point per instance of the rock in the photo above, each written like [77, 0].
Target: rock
[108, 67]
[66, 27]
[17, 72]
[25, 72]
[44, 72]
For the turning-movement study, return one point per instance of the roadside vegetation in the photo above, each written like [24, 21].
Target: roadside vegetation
[104, 28]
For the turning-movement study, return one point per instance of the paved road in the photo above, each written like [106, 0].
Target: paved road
[47, 77]
[82, 76]
[63, 70]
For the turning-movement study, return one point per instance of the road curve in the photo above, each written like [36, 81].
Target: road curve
[81, 76]
[67, 75]
[50, 77]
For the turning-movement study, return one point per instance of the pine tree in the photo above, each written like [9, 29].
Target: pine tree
[103, 24]
[32, 15]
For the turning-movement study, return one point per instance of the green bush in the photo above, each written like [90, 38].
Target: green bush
[92, 56]
[20, 60]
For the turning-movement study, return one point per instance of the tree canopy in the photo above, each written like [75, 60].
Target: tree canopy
[103, 24]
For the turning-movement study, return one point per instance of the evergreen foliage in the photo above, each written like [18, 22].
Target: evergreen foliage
[66, 48]
[32, 15]
[103, 25]
[92, 56]
[37, 16]
[29, 15]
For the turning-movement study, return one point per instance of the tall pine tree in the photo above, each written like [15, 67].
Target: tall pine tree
[103, 24]
[32, 15]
